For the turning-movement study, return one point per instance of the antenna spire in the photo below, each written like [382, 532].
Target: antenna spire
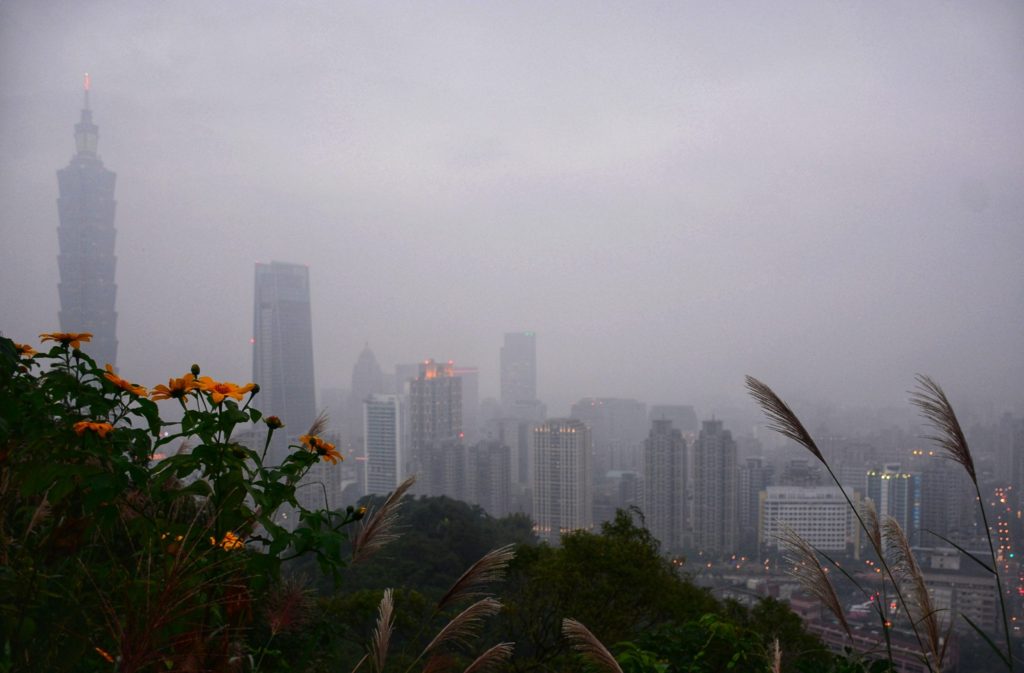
[86, 85]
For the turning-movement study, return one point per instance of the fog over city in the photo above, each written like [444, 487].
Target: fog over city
[828, 196]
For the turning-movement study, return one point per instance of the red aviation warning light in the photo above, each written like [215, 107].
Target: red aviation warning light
[86, 82]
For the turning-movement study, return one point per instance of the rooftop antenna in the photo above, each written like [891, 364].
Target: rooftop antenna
[86, 85]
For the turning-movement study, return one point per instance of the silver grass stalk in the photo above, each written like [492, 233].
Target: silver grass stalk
[587, 644]
[931, 400]
[378, 528]
[776, 657]
[319, 423]
[901, 557]
[874, 530]
[490, 568]
[491, 658]
[465, 625]
[382, 634]
[781, 418]
[811, 575]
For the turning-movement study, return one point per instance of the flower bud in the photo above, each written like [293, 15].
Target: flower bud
[195, 370]
[255, 389]
[273, 422]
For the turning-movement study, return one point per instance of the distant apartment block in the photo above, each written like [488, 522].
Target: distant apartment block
[562, 497]
[716, 516]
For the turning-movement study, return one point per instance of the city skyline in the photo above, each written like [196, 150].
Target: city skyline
[771, 202]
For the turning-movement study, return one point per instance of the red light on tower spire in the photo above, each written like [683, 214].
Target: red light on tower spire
[86, 82]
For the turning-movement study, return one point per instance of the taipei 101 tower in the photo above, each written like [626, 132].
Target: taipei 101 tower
[86, 232]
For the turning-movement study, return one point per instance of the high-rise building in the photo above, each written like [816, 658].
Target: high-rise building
[470, 403]
[385, 451]
[435, 403]
[367, 379]
[488, 477]
[683, 417]
[518, 369]
[282, 354]
[562, 498]
[664, 485]
[755, 476]
[947, 506]
[716, 520]
[897, 493]
[86, 236]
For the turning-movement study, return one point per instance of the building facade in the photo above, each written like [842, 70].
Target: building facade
[86, 235]
[385, 450]
[435, 416]
[819, 514]
[716, 517]
[518, 369]
[664, 484]
[562, 477]
[282, 354]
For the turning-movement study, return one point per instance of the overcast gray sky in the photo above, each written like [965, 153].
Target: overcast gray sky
[827, 195]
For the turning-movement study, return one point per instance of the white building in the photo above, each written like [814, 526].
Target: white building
[562, 498]
[385, 450]
[819, 514]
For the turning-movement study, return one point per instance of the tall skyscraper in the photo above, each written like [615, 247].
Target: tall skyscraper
[755, 476]
[489, 477]
[367, 379]
[86, 235]
[618, 428]
[282, 354]
[385, 451]
[435, 402]
[562, 492]
[664, 501]
[716, 520]
[518, 370]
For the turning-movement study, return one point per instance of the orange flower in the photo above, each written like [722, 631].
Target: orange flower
[101, 429]
[220, 389]
[73, 339]
[230, 542]
[175, 389]
[122, 384]
[322, 448]
[24, 350]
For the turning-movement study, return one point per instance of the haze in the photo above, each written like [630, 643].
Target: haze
[829, 196]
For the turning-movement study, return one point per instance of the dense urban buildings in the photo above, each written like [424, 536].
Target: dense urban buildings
[665, 479]
[716, 520]
[562, 498]
[86, 234]
[282, 353]
[489, 476]
[897, 493]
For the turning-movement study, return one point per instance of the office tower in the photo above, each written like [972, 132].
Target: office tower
[715, 516]
[385, 452]
[86, 236]
[516, 435]
[367, 379]
[282, 353]
[518, 369]
[755, 476]
[897, 493]
[489, 477]
[683, 417]
[664, 499]
[470, 403]
[435, 403]
[618, 427]
[819, 514]
[562, 500]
